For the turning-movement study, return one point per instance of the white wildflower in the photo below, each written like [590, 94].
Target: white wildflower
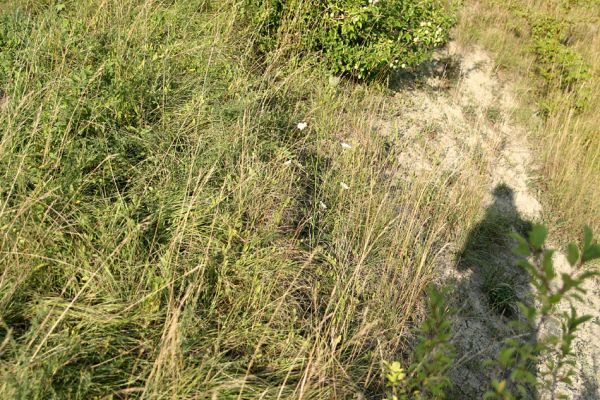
[322, 205]
[346, 145]
[344, 186]
[302, 125]
[288, 163]
[334, 81]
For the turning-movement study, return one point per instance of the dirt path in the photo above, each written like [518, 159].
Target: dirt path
[461, 117]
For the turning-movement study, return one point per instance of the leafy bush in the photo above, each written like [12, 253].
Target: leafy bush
[360, 38]
[534, 360]
[558, 64]
[531, 360]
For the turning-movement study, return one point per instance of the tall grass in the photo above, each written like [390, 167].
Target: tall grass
[566, 135]
[167, 231]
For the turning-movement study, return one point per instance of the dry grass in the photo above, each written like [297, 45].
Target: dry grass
[168, 232]
[567, 139]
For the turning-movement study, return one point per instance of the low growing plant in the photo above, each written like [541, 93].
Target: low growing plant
[500, 290]
[426, 376]
[558, 64]
[358, 38]
[536, 360]
[532, 360]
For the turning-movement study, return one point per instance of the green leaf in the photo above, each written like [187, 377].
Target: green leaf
[555, 298]
[587, 237]
[572, 254]
[505, 356]
[537, 236]
[548, 265]
[581, 320]
[590, 253]
[522, 247]
[587, 274]
[531, 270]
[499, 385]
[520, 375]
[529, 312]
[568, 282]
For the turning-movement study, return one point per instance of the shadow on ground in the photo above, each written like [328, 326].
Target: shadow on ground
[491, 286]
[446, 69]
[488, 253]
[590, 383]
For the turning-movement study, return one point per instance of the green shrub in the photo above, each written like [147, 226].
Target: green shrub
[557, 63]
[358, 38]
[534, 360]
[531, 360]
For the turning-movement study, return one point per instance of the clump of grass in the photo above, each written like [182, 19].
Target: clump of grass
[499, 288]
[494, 115]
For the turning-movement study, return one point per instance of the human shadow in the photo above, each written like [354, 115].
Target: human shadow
[491, 287]
[488, 252]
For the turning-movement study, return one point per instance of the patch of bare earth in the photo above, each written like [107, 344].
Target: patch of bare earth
[459, 119]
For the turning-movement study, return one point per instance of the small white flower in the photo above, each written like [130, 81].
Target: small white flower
[423, 23]
[403, 66]
[344, 186]
[302, 125]
[334, 81]
[288, 163]
[346, 145]
[322, 205]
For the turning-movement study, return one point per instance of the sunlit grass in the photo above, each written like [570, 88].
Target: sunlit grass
[167, 230]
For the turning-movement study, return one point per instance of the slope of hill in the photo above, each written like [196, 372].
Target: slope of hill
[181, 218]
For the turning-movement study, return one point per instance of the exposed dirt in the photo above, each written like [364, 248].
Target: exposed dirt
[461, 117]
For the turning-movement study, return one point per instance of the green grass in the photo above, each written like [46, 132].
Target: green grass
[499, 288]
[166, 230]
